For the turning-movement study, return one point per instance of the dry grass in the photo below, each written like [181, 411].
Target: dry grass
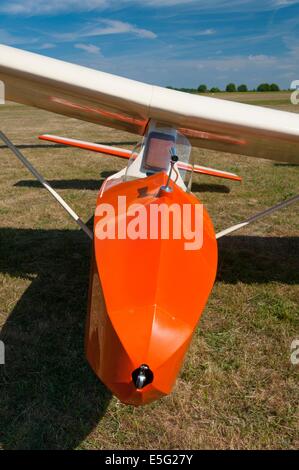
[261, 98]
[237, 388]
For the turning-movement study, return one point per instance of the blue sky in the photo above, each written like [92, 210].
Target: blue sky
[170, 42]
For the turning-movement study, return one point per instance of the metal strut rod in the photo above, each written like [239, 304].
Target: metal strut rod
[258, 216]
[46, 185]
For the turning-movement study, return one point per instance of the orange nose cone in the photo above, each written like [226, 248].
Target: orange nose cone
[146, 297]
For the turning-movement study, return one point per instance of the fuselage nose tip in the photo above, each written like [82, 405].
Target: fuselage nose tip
[142, 376]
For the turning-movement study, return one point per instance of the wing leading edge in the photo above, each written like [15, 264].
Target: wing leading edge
[117, 102]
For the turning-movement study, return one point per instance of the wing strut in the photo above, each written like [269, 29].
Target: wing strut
[46, 185]
[258, 216]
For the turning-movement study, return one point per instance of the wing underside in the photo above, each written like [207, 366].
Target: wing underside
[125, 104]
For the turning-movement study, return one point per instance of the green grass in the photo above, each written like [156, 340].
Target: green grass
[237, 388]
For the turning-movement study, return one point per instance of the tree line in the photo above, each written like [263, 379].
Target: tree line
[230, 88]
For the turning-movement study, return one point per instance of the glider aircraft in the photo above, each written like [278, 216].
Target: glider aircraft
[146, 295]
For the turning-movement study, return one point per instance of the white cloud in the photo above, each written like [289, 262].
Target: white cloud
[90, 48]
[285, 2]
[40, 7]
[46, 45]
[7, 38]
[106, 27]
[13, 39]
[118, 27]
[260, 58]
[223, 5]
[206, 32]
[216, 71]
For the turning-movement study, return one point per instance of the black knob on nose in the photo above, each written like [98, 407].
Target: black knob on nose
[142, 376]
[174, 158]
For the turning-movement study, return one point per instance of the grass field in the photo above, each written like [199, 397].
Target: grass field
[280, 98]
[237, 389]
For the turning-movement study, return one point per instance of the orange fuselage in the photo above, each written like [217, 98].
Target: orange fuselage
[146, 296]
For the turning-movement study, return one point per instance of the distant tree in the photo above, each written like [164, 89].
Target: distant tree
[242, 88]
[215, 90]
[202, 88]
[274, 87]
[264, 87]
[188, 90]
[231, 88]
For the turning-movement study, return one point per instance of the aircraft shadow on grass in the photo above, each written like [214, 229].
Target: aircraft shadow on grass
[61, 146]
[209, 188]
[254, 259]
[94, 185]
[50, 398]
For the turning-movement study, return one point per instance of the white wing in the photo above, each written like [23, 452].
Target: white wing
[126, 104]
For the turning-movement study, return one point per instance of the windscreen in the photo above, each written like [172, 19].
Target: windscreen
[156, 150]
[157, 154]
